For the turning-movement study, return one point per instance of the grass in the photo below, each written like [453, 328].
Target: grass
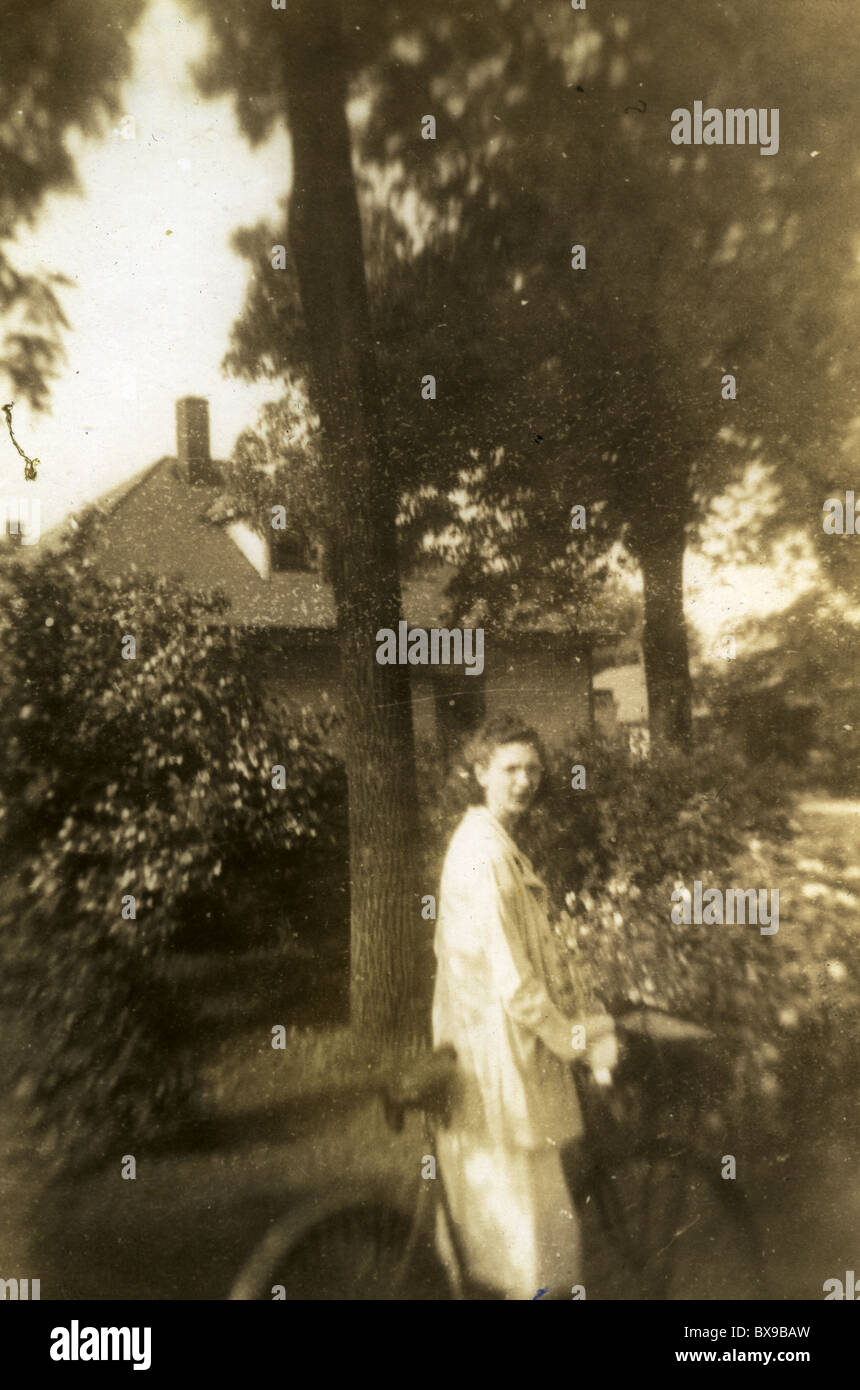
[290, 1124]
[284, 1125]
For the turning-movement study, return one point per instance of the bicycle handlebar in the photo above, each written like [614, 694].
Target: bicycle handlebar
[661, 1026]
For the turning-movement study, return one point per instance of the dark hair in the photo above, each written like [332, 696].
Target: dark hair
[496, 731]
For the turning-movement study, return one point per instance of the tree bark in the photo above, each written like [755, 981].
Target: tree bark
[664, 640]
[325, 240]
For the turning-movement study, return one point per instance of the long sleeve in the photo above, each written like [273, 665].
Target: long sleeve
[524, 997]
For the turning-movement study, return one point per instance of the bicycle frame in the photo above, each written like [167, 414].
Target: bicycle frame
[428, 1202]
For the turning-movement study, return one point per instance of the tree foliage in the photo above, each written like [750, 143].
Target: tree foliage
[149, 779]
[601, 386]
[62, 63]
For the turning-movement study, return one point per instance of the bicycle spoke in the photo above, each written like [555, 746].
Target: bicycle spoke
[359, 1253]
[669, 1231]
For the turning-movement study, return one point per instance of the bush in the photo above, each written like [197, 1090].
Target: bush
[612, 856]
[146, 778]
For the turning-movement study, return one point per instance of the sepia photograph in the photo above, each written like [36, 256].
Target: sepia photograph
[429, 617]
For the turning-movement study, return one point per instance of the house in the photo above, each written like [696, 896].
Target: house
[621, 704]
[282, 605]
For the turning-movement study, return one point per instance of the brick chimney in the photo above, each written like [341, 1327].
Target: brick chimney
[192, 440]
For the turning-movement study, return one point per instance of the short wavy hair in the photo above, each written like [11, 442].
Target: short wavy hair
[493, 733]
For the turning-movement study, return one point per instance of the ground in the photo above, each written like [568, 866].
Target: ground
[288, 1124]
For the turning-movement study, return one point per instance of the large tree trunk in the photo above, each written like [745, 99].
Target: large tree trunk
[325, 239]
[664, 639]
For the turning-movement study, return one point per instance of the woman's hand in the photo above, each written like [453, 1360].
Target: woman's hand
[587, 1033]
[593, 1039]
[602, 1047]
[598, 1026]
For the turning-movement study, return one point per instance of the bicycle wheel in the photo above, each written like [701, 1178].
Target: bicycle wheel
[662, 1224]
[352, 1251]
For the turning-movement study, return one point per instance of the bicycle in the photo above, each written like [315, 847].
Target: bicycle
[659, 1220]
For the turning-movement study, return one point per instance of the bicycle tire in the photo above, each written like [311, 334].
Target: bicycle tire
[663, 1224]
[360, 1248]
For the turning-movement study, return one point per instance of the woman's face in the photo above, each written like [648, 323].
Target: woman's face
[510, 780]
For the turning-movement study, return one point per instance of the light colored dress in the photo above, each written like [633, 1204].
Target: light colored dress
[517, 1104]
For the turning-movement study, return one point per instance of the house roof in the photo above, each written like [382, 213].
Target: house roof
[157, 521]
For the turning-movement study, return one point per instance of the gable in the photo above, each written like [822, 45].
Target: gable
[156, 522]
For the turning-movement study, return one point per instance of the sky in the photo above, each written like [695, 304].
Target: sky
[157, 287]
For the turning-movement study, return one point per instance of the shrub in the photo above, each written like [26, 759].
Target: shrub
[612, 856]
[148, 778]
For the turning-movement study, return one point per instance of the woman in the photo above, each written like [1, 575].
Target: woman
[516, 1105]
